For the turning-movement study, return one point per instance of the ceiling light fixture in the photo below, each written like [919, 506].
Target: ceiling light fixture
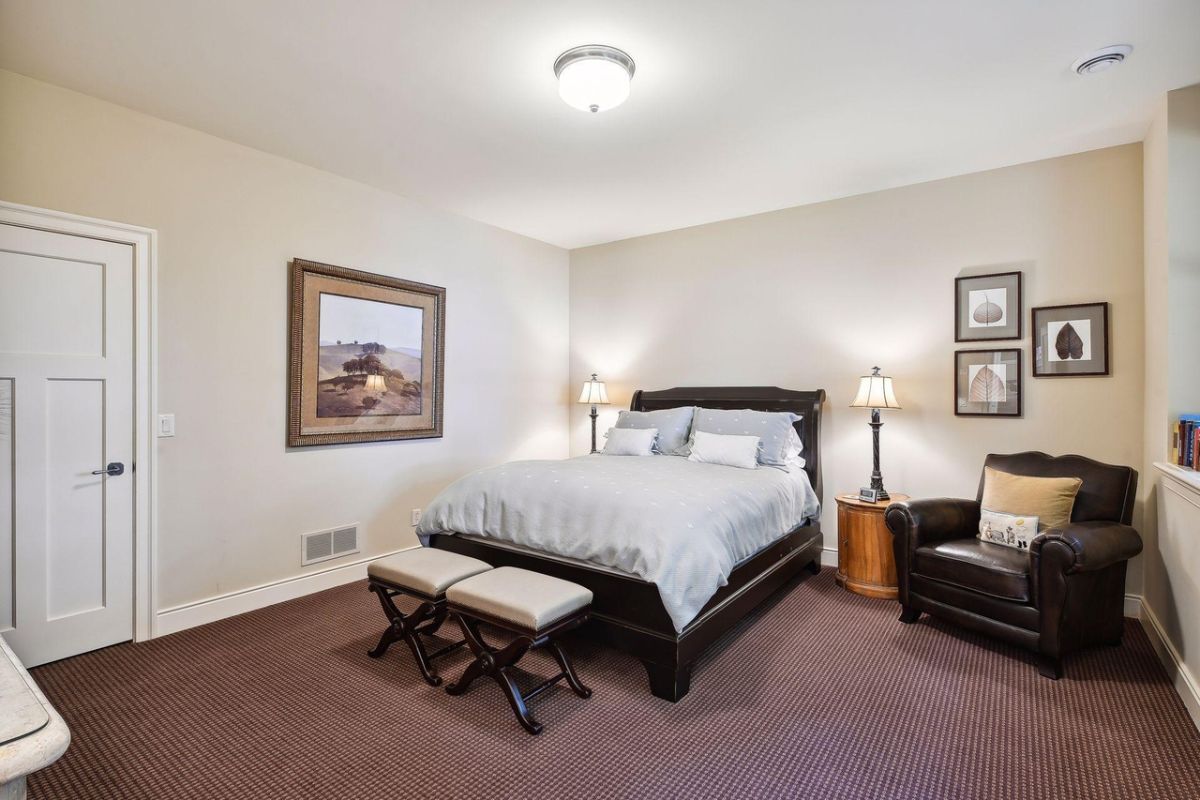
[1101, 60]
[594, 77]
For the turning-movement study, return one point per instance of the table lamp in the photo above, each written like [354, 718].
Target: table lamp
[875, 392]
[594, 393]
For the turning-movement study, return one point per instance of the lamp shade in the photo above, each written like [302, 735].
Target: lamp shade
[594, 392]
[875, 391]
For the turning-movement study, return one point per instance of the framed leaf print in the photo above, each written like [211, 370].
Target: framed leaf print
[987, 383]
[1070, 340]
[366, 356]
[987, 307]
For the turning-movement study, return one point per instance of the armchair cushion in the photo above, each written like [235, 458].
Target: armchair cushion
[1088, 546]
[990, 569]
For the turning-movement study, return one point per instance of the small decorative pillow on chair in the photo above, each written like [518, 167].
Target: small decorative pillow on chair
[630, 441]
[730, 451]
[1010, 530]
[1050, 500]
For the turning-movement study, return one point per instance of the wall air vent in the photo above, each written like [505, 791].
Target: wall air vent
[324, 545]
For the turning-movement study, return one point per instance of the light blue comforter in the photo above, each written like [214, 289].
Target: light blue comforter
[676, 523]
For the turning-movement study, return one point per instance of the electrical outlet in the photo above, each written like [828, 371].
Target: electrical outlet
[166, 426]
[416, 517]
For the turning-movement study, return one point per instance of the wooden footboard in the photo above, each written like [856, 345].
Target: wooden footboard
[628, 613]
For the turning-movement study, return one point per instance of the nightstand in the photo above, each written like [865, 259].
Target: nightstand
[866, 565]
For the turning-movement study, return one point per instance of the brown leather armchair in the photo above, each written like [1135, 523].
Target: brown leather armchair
[1065, 594]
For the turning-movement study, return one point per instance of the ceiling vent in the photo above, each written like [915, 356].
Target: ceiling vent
[324, 545]
[1101, 60]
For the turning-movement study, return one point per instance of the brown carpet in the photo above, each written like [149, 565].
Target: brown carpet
[821, 694]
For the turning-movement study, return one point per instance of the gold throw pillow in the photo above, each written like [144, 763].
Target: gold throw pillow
[1048, 499]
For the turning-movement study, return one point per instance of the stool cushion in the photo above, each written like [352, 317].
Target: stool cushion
[526, 598]
[426, 569]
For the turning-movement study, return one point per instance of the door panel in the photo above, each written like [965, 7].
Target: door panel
[34, 284]
[75, 497]
[66, 353]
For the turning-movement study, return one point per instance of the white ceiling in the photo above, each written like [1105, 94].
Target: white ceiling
[736, 107]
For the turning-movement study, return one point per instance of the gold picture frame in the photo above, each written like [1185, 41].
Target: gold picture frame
[366, 356]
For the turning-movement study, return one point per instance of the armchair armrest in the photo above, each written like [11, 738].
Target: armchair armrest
[1086, 546]
[932, 520]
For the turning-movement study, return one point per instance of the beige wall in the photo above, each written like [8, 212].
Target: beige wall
[1172, 279]
[812, 297]
[1183, 232]
[807, 297]
[232, 499]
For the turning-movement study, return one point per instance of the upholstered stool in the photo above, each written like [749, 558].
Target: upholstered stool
[536, 609]
[423, 573]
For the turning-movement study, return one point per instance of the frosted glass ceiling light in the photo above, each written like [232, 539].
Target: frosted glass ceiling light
[594, 77]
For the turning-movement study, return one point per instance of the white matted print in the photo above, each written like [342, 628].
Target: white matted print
[988, 383]
[1069, 340]
[988, 308]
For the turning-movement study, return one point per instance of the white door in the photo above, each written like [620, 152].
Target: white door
[66, 413]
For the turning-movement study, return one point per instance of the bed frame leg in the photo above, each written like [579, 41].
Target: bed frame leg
[814, 566]
[670, 682]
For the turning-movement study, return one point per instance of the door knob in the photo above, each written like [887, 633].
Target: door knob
[114, 469]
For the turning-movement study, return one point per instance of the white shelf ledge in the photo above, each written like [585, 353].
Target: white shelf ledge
[1189, 478]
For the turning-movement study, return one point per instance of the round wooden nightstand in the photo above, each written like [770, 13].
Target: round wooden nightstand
[866, 565]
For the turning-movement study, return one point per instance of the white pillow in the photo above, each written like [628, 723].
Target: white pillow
[1010, 530]
[795, 446]
[729, 450]
[630, 441]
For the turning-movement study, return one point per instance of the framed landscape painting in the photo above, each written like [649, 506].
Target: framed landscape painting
[987, 307]
[366, 355]
[987, 383]
[1070, 340]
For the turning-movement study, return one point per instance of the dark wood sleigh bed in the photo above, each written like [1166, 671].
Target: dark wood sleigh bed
[628, 613]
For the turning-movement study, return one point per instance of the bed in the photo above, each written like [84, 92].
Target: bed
[629, 612]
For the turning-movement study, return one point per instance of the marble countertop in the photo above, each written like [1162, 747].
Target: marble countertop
[32, 734]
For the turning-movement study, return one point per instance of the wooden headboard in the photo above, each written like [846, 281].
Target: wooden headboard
[759, 398]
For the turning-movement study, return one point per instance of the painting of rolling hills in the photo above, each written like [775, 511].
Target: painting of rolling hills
[369, 361]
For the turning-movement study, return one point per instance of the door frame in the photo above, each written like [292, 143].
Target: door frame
[145, 398]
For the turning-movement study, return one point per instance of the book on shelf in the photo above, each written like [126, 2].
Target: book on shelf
[1186, 441]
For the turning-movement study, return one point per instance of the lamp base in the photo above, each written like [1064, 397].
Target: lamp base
[876, 477]
[593, 415]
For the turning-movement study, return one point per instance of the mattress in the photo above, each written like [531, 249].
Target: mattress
[678, 524]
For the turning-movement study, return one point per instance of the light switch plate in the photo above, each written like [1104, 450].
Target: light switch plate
[416, 517]
[166, 425]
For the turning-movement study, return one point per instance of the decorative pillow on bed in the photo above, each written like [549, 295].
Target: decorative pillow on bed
[731, 451]
[630, 441]
[673, 426]
[771, 427]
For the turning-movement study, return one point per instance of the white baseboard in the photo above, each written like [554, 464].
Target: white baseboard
[829, 557]
[1133, 606]
[200, 612]
[1181, 677]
